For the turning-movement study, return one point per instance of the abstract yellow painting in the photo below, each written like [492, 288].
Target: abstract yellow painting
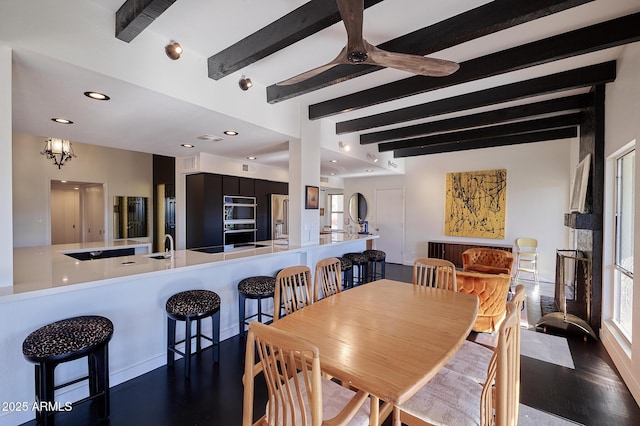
[475, 204]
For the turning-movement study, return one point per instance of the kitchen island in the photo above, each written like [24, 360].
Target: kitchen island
[131, 290]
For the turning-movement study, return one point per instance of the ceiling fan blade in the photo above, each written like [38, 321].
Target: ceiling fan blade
[340, 59]
[414, 64]
[352, 12]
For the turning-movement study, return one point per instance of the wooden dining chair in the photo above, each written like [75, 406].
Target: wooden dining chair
[437, 273]
[452, 398]
[293, 290]
[472, 359]
[297, 392]
[328, 278]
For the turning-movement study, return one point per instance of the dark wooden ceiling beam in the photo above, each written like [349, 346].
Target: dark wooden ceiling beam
[527, 126]
[572, 79]
[483, 20]
[136, 15]
[306, 20]
[542, 136]
[585, 40]
[575, 102]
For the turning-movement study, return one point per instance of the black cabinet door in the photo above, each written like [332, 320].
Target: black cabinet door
[204, 210]
[247, 187]
[263, 211]
[230, 185]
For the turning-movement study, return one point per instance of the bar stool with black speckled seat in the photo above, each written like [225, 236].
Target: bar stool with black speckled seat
[347, 272]
[68, 340]
[375, 257]
[360, 263]
[189, 306]
[259, 287]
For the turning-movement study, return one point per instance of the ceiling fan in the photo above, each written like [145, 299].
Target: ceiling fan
[359, 51]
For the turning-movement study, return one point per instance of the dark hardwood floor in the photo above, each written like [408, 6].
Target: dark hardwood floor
[591, 394]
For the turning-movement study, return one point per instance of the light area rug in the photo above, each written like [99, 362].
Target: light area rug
[546, 347]
[528, 416]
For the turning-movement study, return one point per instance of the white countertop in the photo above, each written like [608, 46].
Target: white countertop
[47, 270]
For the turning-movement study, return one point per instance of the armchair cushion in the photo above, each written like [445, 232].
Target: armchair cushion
[489, 261]
[492, 290]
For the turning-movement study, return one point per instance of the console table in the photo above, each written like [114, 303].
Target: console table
[452, 251]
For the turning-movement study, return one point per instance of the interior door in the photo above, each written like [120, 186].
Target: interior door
[65, 216]
[390, 223]
[93, 213]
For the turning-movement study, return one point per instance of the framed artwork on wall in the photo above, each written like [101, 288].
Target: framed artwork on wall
[580, 184]
[311, 198]
[475, 204]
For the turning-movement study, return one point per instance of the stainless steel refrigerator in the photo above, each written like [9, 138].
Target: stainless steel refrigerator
[279, 217]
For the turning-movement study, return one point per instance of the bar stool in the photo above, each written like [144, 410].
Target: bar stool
[258, 288]
[360, 263]
[347, 272]
[189, 306]
[63, 341]
[375, 257]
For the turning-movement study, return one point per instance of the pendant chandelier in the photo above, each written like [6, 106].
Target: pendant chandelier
[58, 150]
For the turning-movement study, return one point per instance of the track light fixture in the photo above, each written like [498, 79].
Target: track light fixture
[173, 50]
[372, 157]
[245, 83]
[344, 146]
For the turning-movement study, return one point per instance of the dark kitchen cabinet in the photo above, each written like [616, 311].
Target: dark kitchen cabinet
[230, 185]
[204, 210]
[204, 205]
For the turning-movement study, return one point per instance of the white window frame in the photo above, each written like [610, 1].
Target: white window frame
[620, 272]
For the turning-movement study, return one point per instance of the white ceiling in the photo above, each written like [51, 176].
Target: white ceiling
[143, 120]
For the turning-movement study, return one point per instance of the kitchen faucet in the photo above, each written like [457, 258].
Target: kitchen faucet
[170, 249]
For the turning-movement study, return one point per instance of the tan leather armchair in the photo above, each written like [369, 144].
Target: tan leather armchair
[489, 261]
[492, 290]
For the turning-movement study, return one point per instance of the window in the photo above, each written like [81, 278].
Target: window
[336, 201]
[625, 190]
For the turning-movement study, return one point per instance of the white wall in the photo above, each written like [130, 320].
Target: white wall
[6, 243]
[124, 173]
[538, 182]
[622, 126]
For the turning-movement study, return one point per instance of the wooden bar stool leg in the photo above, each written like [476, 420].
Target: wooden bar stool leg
[241, 313]
[100, 362]
[187, 349]
[171, 337]
[215, 334]
[198, 338]
[48, 388]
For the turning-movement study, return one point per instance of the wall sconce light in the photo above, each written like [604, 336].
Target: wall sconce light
[344, 146]
[372, 157]
[58, 150]
[245, 83]
[394, 165]
[173, 50]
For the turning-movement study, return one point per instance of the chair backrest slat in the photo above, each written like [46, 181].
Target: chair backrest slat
[292, 290]
[328, 278]
[291, 369]
[437, 273]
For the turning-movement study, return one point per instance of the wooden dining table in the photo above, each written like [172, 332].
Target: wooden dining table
[387, 338]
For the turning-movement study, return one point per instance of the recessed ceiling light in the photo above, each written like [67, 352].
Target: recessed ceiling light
[61, 120]
[369, 170]
[187, 145]
[333, 161]
[230, 133]
[332, 174]
[251, 158]
[97, 96]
